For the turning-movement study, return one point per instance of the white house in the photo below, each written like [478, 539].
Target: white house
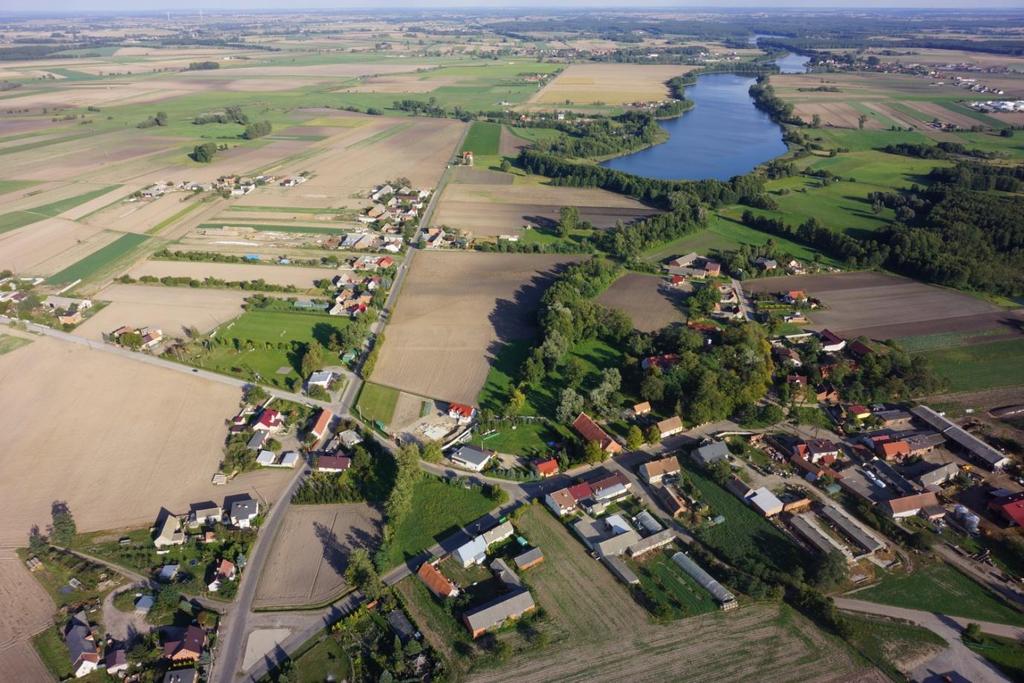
[471, 458]
[243, 512]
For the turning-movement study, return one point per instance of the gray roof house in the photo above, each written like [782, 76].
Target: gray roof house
[243, 512]
[498, 611]
[712, 452]
[471, 458]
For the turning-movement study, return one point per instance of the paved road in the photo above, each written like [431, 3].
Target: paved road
[231, 645]
[958, 661]
[303, 627]
[232, 642]
[159, 362]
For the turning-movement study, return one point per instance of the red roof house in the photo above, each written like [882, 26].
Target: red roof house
[436, 582]
[270, 420]
[891, 450]
[1010, 508]
[591, 431]
[546, 468]
[333, 463]
[323, 421]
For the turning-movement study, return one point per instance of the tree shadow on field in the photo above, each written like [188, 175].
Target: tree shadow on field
[334, 551]
[541, 222]
[515, 318]
[323, 333]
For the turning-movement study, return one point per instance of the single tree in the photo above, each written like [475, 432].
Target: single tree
[62, 528]
[634, 438]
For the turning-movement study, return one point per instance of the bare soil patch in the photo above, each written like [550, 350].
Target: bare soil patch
[46, 247]
[934, 110]
[133, 439]
[609, 84]
[883, 306]
[137, 217]
[171, 309]
[359, 157]
[489, 209]
[838, 114]
[299, 276]
[307, 564]
[453, 314]
[27, 611]
[646, 299]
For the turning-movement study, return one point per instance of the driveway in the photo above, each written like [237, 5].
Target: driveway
[956, 661]
[123, 626]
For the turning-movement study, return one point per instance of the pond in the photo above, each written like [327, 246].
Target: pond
[721, 136]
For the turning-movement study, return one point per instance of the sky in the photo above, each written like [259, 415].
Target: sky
[52, 6]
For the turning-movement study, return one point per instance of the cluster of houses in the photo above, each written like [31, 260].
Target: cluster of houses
[613, 537]
[691, 266]
[130, 337]
[998, 106]
[67, 310]
[513, 600]
[372, 263]
[367, 240]
[354, 294]
[394, 205]
[333, 457]
[182, 648]
[174, 530]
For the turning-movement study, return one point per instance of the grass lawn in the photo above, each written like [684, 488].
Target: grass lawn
[9, 343]
[945, 340]
[980, 366]
[1006, 654]
[439, 510]
[939, 587]
[673, 594]
[53, 652]
[377, 402]
[528, 438]
[269, 343]
[98, 260]
[449, 638]
[542, 399]
[725, 233]
[324, 661]
[506, 364]
[744, 533]
[879, 639]
[483, 139]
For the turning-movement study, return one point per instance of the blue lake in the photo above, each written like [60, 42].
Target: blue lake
[721, 136]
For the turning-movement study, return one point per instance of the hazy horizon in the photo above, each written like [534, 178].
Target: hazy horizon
[138, 6]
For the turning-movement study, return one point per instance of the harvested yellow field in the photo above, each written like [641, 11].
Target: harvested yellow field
[609, 84]
[46, 247]
[171, 309]
[298, 276]
[837, 114]
[116, 438]
[137, 217]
